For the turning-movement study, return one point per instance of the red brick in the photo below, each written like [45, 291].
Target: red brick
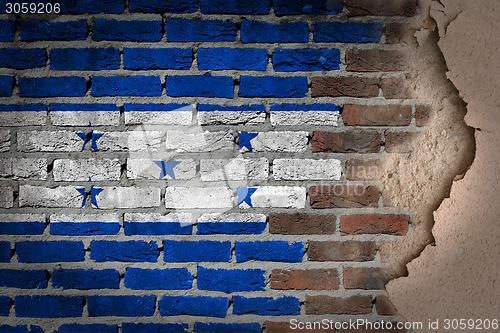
[284, 327]
[391, 224]
[351, 142]
[316, 279]
[376, 115]
[381, 7]
[341, 251]
[345, 86]
[400, 142]
[362, 170]
[398, 33]
[343, 196]
[323, 304]
[396, 88]
[422, 115]
[301, 224]
[384, 306]
[363, 278]
[374, 60]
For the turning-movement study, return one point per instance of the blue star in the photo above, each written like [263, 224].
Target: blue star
[95, 137]
[244, 140]
[245, 194]
[86, 137]
[83, 136]
[167, 168]
[82, 192]
[94, 192]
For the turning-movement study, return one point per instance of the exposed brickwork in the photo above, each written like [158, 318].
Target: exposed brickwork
[300, 224]
[352, 142]
[345, 86]
[377, 115]
[374, 60]
[374, 224]
[341, 251]
[305, 279]
[354, 305]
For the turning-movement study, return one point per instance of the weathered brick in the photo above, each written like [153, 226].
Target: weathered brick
[316, 279]
[162, 7]
[293, 60]
[280, 251]
[84, 114]
[377, 115]
[300, 7]
[183, 142]
[232, 59]
[129, 251]
[7, 30]
[5, 251]
[182, 169]
[399, 33]
[6, 85]
[221, 327]
[23, 168]
[49, 306]
[180, 30]
[196, 251]
[347, 32]
[341, 251]
[272, 196]
[84, 224]
[357, 169]
[345, 86]
[279, 142]
[234, 169]
[53, 31]
[391, 224]
[266, 306]
[151, 59]
[396, 88]
[374, 60]
[231, 224]
[6, 197]
[422, 115]
[343, 196]
[230, 280]
[263, 32]
[130, 141]
[157, 224]
[24, 279]
[258, 7]
[303, 114]
[381, 7]
[194, 306]
[384, 306]
[86, 279]
[88, 59]
[231, 115]
[127, 31]
[301, 224]
[200, 86]
[400, 142]
[158, 279]
[23, 114]
[305, 169]
[44, 252]
[128, 197]
[4, 140]
[354, 305]
[22, 58]
[198, 197]
[349, 142]
[22, 224]
[126, 86]
[363, 278]
[71, 170]
[59, 197]
[273, 86]
[158, 114]
[45, 141]
[66, 86]
[121, 306]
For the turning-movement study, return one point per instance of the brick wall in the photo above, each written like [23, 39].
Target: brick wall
[205, 166]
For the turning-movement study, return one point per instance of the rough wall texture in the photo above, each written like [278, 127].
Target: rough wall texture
[463, 263]
[217, 166]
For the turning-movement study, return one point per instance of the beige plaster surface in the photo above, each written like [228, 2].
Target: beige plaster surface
[458, 276]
